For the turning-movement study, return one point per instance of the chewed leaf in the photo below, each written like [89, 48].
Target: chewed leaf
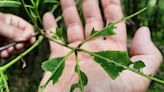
[74, 86]
[83, 80]
[77, 85]
[112, 69]
[107, 31]
[55, 66]
[139, 65]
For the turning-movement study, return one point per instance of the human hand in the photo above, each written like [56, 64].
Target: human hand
[142, 48]
[13, 28]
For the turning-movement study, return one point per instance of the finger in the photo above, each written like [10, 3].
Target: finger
[15, 21]
[113, 13]
[4, 54]
[143, 49]
[23, 25]
[15, 33]
[19, 46]
[10, 32]
[29, 33]
[49, 23]
[20, 24]
[75, 30]
[92, 15]
[10, 50]
[2, 17]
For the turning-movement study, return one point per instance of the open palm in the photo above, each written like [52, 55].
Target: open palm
[98, 81]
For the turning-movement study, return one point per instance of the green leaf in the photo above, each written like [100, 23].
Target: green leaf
[33, 14]
[59, 32]
[54, 8]
[12, 4]
[112, 69]
[139, 65]
[32, 1]
[65, 35]
[55, 66]
[107, 31]
[51, 1]
[83, 80]
[9, 4]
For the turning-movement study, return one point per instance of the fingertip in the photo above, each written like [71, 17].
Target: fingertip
[19, 46]
[141, 40]
[48, 14]
[27, 35]
[32, 40]
[143, 32]
[10, 50]
[141, 36]
[49, 21]
[4, 54]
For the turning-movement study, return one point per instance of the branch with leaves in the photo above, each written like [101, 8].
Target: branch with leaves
[108, 60]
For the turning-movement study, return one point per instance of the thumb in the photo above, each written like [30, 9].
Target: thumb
[142, 48]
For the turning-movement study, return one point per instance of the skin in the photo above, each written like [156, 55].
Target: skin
[142, 48]
[13, 28]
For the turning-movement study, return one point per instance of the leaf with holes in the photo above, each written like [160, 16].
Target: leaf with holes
[113, 69]
[138, 65]
[83, 80]
[107, 31]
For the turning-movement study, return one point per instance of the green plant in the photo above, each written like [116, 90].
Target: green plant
[56, 65]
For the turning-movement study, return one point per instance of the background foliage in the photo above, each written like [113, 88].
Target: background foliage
[27, 79]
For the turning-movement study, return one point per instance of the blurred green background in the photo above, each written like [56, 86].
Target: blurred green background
[27, 79]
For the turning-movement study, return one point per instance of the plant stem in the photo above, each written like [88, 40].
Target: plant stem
[79, 72]
[125, 67]
[23, 4]
[59, 18]
[131, 16]
[5, 82]
[37, 12]
[5, 67]
[121, 20]
[59, 42]
[32, 19]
